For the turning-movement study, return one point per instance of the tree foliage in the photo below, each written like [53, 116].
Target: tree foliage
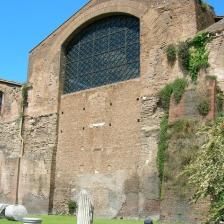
[206, 170]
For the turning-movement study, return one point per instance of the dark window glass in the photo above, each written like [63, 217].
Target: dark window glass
[105, 52]
[1, 99]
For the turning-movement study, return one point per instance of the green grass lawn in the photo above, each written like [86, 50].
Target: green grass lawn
[69, 220]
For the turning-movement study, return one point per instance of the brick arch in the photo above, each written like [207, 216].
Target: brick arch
[91, 21]
[88, 14]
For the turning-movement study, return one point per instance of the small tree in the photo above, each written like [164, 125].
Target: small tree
[206, 170]
[72, 206]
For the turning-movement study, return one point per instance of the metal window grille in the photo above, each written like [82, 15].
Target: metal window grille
[105, 52]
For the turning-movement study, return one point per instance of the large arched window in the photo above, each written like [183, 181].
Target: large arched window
[105, 52]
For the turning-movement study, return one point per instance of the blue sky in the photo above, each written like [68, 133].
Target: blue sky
[24, 23]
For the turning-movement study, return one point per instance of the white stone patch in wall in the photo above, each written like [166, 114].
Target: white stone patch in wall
[97, 125]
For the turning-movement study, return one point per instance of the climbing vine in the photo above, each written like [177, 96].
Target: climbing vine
[24, 90]
[193, 54]
[176, 89]
[198, 54]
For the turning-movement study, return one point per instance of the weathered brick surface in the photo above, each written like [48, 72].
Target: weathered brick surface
[193, 96]
[117, 162]
[10, 142]
[40, 134]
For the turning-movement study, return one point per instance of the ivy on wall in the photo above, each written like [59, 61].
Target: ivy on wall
[193, 54]
[175, 89]
[205, 168]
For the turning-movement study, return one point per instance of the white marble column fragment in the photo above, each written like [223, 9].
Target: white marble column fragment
[85, 209]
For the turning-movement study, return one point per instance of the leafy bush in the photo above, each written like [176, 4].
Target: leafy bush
[204, 108]
[165, 95]
[200, 40]
[198, 54]
[193, 55]
[198, 60]
[184, 55]
[219, 101]
[179, 86]
[171, 54]
[205, 171]
[176, 88]
[203, 4]
[72, 206]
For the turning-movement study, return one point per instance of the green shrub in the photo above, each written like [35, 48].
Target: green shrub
[193, 55]
[171, 54]
[219, 101]
[200, 40]
[179, 86]
[204, 108]
[203, 4]
[165, 95]
[217, 209]
[181, 128]
[198, 54]
[184, 55]
[72, 206]
[198, 60]
[176, 88]
[205, 171]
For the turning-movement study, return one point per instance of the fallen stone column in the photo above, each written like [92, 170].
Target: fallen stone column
[85, 209]
[2, 209]
[15, 212]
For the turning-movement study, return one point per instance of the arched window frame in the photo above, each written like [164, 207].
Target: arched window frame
[136, 66]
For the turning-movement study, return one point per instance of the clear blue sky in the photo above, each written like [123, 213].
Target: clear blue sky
[24, 23]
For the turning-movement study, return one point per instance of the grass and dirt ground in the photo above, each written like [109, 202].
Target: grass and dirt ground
[71, 220]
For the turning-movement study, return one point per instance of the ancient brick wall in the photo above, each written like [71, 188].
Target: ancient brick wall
[40, 135]
[99, 146]
[10, 142]
[216, 56]
[158, 22]
[64, 151]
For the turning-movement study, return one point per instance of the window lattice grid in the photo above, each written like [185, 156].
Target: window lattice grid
[105, 52]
